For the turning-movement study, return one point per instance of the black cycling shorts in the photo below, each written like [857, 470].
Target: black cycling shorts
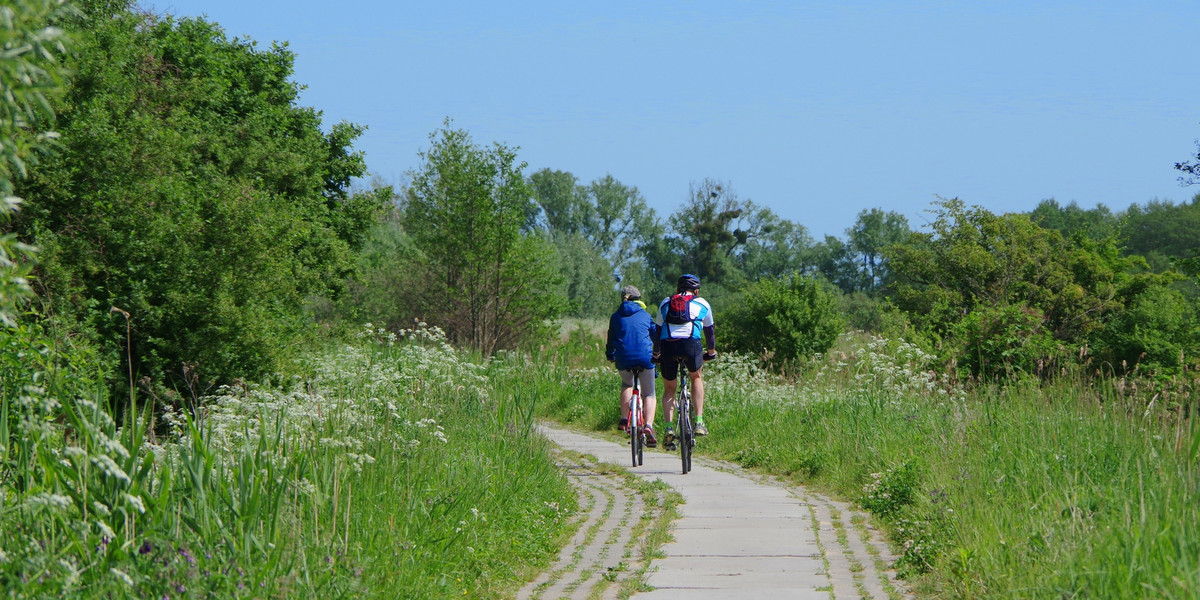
[690, 350]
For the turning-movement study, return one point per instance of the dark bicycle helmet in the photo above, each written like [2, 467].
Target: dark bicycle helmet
[688, 283]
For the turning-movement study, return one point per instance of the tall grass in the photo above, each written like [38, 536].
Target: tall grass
[389, 468]
[1074, 489]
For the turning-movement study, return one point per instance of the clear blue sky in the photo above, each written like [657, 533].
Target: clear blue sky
[818, 110]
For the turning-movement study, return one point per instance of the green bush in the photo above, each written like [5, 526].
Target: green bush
[785, 320]
[1156, 332]
[891, 490]
[999, 341]
[193, 191]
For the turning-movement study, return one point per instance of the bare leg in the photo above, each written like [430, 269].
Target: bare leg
[697, 393]
[669, 399]
[626, 396]
[648, 405]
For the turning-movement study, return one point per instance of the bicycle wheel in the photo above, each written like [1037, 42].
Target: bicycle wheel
[635, 428]
[684, 409]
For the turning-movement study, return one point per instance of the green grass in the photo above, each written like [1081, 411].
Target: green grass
[1077, 489]
[401, 468]
[391, 468]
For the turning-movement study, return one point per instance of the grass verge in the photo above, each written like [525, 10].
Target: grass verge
[1061, 490]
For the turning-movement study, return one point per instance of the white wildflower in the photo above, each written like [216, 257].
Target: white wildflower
[136, 503]
[126, 579]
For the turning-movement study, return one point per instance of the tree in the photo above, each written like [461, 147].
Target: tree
[563, 205]
[874, 231]
[712, 227]
[193, 192]
[485, 282]
[783, 247]
[835, 260]
[1190, 169]
[610, 215]
[31, 76]
[588, 283]
[1162, 231]
[1000, 287]
[1098, 223]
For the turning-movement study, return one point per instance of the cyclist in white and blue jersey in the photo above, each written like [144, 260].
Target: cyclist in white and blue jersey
[685, 319]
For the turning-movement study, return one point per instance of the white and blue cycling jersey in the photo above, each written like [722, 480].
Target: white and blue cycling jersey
[698, 310]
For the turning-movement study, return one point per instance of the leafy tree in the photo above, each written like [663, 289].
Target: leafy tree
[874, 231]
[623, 221]
[1163, 230]
[562, 201]
[487, 283]
[711, 229]
[782, 248]
[1098, 223]
[31, 76]
[610, 215]
[598, 227]
[1190, 169]
[587, 279]
[997, 286]
[859, 264]
[193, 192]
[835, 260]
[1156, 329]
[784, 319]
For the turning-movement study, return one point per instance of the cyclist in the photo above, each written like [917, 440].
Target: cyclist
[631, 335]
[684, 317]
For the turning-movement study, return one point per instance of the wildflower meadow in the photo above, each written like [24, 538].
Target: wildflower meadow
[1079, 488]
[384, 468]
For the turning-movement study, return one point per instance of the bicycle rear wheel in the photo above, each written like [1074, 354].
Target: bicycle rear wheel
[635, 428]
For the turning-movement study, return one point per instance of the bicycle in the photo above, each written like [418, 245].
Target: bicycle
[636, 423]
[686, 435]
[685, 439]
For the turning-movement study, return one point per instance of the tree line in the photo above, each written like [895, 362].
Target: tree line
[186, 188]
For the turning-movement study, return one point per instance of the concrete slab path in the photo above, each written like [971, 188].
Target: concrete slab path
[745, 536]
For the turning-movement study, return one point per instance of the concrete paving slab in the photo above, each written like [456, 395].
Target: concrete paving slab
[736, 538]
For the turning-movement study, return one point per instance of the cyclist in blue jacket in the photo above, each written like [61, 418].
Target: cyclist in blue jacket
[631, 334]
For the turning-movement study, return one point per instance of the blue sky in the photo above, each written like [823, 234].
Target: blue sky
[818, 110]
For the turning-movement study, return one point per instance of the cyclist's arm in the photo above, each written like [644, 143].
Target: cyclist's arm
[710, 334]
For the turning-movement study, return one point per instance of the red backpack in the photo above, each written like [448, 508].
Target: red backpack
[679, 309]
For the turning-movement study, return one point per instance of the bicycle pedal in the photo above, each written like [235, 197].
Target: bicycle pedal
[670, 446]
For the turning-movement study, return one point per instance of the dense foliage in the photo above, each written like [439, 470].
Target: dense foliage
[1008, 297]
[784, 320]
[481, 277]
[31, 76]
[195, 224]
[191, 191]
[1073, 489]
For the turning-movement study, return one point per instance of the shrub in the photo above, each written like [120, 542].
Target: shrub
[1003, 340]
[785, 319]
[891, 490]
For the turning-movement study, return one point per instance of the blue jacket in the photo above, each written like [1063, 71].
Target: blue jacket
[631, 333]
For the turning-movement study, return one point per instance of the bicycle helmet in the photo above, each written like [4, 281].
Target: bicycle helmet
[631, 292]
[688, 283]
